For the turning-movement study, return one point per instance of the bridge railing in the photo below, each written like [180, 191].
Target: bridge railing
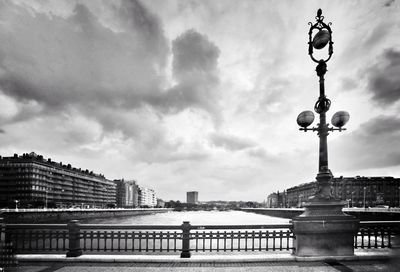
[377, 234]
[75, 239]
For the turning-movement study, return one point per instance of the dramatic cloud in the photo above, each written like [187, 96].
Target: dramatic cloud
[383, 78]
[76, 61]
[389, 3]
[195, 68]
[373, 145]
[152, 91]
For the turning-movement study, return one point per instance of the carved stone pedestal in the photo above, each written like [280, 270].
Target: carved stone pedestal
[324, 230]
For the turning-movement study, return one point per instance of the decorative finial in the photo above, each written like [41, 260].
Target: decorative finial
[319, 12]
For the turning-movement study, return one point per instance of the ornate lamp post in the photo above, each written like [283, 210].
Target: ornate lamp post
[323, 229]
[305, 119]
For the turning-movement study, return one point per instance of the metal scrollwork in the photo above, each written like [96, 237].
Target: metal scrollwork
[322, 105]
[320, 25]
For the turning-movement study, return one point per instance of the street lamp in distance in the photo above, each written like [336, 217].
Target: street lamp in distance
[365, 189]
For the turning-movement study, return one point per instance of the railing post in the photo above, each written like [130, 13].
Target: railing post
[7, 249]
[185, 239]
[2, 230]
[74, 249]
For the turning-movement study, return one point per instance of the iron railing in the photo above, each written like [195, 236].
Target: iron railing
[377, 234]
[75, 239]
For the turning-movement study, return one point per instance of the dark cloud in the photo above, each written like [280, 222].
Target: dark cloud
[389, 3]
[230, 142]
[147, 26]
[78, 64]
[373, 145]
[194, 53]
[383, 78]
[195, 60]
[61, 62]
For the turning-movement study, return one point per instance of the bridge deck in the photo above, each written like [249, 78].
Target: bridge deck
[365, 265]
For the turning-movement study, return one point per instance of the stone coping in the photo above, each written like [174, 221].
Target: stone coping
[281, 257]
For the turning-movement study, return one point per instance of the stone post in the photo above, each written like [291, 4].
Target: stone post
[74, 249]
[324, 230]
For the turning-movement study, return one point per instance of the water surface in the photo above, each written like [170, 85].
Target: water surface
[194, 217]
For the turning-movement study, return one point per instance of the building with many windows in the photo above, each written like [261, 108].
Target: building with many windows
[356, 191]
[147, 197]
[192, 197]
[33, 181]
[276, 200]
[127, 193]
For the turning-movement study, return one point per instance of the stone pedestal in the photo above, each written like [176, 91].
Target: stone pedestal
[324, 230]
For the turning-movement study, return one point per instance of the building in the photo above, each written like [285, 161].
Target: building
[33, 181]
[192, 197]
[377, 191]
[296, 196]
[127, 193]
[160, 203]
[147, 197]
[272, 200]
[276, 200]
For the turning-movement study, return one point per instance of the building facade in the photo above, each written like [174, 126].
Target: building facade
[377, 191]
[160, 203]
[32, 181]
[147, 197]
[276, 200]
[192, 197]
[127, 193]
[356, 191]
[272, 200]
[296, 196]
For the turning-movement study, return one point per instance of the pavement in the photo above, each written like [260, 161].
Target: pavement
[362, 261]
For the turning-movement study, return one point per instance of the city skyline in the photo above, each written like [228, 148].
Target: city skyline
[198, 95]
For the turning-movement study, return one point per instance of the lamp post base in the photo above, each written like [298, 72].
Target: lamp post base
[324, 230]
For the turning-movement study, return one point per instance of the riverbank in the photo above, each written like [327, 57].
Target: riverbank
[368, 214]
[65, 215]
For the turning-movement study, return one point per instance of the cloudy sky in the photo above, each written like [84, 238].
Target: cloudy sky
[198, 95]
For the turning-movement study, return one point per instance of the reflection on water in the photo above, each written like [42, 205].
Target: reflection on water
[194, 217]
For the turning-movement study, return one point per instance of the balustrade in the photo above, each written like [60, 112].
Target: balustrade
[75, 239]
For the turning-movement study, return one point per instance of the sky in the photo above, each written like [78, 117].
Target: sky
[185, 95]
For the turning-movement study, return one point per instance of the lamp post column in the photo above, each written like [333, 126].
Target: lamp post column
[323, 229]
[321, 107]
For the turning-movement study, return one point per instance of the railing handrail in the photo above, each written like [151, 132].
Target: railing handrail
[36, 226]
[264, 226]
[130, 227]
[393, 222]
[148, 227]
[193, 227]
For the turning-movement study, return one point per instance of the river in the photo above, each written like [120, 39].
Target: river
[194, 217]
